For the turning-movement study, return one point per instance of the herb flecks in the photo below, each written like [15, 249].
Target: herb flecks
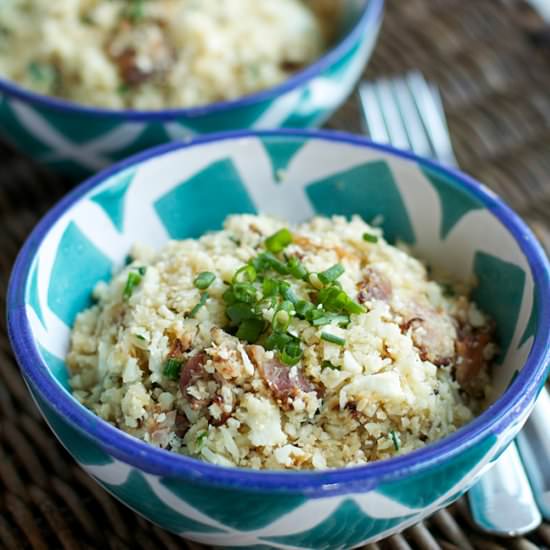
[396, 440]
[201, 303]
[333, 339]
[172, 369]
[278, 241]
[265, 288]
[204, 280]
[370, 238]
[133, 280]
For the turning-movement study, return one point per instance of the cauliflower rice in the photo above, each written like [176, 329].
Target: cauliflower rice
[155, 54]
[353, 353]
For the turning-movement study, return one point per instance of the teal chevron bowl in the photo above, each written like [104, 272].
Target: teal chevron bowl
[183, 190]
[77, 141]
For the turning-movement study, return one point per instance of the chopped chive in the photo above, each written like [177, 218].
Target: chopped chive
[270, 287]
[281, 320]
[204, 280]
[278, 241]
[368, 237]
[448, 290]
[43, 74]
[285, 290]
[201, 438]
[136, 10]
[142, 270]
[250, 330]
[234, 240]
[332, 338]
[202, 301]
[353, 307]
[291, 353]
[245, 292]
[331, 274]
[329, 365]
[329, 318]
[277, 340]
[296, 268]
[123, 89]
[240, 312]
[133, 280]
[245, 274]
[302, 308]
[172, 369]
[396, 440]
[140, 337]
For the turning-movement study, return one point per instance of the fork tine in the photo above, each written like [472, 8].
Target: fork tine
[372, 114]
[430, 108]
[412, 122]
[392, 116]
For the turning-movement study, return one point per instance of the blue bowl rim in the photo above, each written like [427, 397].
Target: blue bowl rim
[372, 13]
[519, 396]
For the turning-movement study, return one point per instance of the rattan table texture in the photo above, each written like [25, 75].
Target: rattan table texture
[491, 59]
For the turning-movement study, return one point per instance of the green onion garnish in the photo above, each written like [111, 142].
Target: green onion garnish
[142, 270]
[331, 274]
[204, 280]
[291, 353]
[296, 268]
[250, 330]
[133, 280]
[172, 368]
[370, 238]
[201, 438]
[277, 340]
[240, 312]
[329, 318]
[396, 440]
[302, 308]
[278, 241]
[281, 320]
[245, 274]
[202, 301]
[270, 287]
[448, 290]
[285, 290]
[244, 292]
[332, 338]
[329, 365]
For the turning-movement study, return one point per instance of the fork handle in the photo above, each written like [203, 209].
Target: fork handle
[502, 502]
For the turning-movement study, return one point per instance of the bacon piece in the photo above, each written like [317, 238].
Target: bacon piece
[374, 286]
[130, 72]
[470, 349]
[433, 333]
[283, 381]
[191, 373]
[140, 53]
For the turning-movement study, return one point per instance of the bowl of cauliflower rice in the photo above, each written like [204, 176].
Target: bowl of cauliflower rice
[260, 336]
[96, 80]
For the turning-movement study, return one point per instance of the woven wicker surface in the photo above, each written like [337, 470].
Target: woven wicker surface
[491, 59]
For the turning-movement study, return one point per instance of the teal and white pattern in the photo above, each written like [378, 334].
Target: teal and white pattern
[79, 141]
[184, 192]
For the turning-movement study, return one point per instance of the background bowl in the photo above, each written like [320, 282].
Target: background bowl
[180, 190]
[78, 140]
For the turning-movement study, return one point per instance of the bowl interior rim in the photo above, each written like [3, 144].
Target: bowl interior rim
[497, 417]
[372, 13]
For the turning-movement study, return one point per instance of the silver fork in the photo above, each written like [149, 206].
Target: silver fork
[407, 112]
